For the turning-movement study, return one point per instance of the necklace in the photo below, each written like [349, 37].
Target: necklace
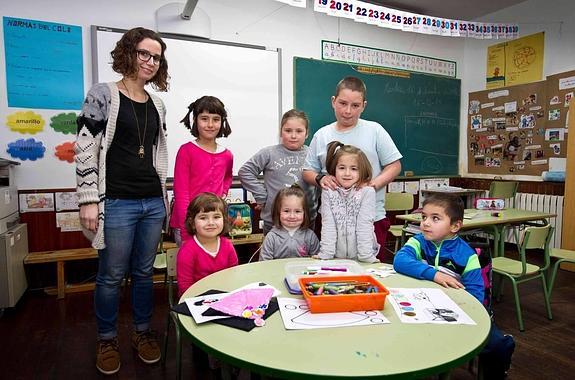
[140, 139]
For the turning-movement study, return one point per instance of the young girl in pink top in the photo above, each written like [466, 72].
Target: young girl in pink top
[201, 164]
[206, 251]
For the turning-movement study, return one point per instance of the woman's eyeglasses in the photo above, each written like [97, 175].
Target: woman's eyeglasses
[144, 55]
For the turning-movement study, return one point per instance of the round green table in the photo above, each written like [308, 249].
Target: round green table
[394, 350]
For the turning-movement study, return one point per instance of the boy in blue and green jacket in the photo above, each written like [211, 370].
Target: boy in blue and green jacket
[438, 254]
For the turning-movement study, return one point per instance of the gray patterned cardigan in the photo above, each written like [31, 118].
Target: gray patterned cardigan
[96, 128]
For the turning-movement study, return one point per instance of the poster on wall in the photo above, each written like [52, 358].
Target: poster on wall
[515, 62]
[495, 66]
[524, 59]
[48, 78]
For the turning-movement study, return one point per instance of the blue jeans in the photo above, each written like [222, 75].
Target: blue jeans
[132, 229]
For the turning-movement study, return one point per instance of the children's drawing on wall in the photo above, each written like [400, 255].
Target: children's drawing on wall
[568, 97]
[555, 134]
[36, 202]
[28, 149]
[556, 148]
[527, 121]
[426, 305]
[492, 162]
[511, 118]
[25, 122]
[526, 155]
[539, 154]
[497, 150]
[510, 107]
[554, 114]
[474, 106]
[476, 122]
[554, 100]
[531, 99]
[296, 316]
[512, 148]
[66, 200]
[68, 221]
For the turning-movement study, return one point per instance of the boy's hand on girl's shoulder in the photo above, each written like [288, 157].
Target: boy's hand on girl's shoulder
[447, 281]
[329, 182]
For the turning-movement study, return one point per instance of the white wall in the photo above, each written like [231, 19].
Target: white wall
[298, 32]
[555, 18]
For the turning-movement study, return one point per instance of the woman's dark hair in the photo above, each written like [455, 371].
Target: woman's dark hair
[209, 104]
[125, 57]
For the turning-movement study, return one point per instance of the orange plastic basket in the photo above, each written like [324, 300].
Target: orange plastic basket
[331, 303]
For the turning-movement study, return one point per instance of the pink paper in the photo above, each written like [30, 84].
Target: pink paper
[247, 303]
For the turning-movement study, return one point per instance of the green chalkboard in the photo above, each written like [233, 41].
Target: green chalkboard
[419, 111]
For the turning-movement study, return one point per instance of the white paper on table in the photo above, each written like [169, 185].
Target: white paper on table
[427, 305]
[382, 271]
[296, 316]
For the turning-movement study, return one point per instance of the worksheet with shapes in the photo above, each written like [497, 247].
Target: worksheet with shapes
[296, 316]
[426, 305]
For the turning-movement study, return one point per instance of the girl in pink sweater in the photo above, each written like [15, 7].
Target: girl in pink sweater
[201, 164]
[206, 251]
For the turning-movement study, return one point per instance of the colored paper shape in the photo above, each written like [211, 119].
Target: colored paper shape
[28, 149]
[247, 303]
[65, 151]
[25, 122]
[64, 122]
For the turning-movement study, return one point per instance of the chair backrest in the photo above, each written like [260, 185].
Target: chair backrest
[171, 256]
[398, 202]
[536, 237]
[503, 189]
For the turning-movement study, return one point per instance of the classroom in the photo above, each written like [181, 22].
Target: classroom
[438, 99]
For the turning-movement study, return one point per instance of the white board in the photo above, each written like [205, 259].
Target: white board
[245, 78]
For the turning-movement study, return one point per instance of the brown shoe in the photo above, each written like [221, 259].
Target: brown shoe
[147, 346]
[108, 356]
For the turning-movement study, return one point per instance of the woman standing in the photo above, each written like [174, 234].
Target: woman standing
[121, 168]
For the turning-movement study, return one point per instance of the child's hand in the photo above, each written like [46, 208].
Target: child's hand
[315, 257]
[447, 281]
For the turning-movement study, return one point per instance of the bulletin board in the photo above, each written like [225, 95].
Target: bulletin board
[560, 91]
[515, 130]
